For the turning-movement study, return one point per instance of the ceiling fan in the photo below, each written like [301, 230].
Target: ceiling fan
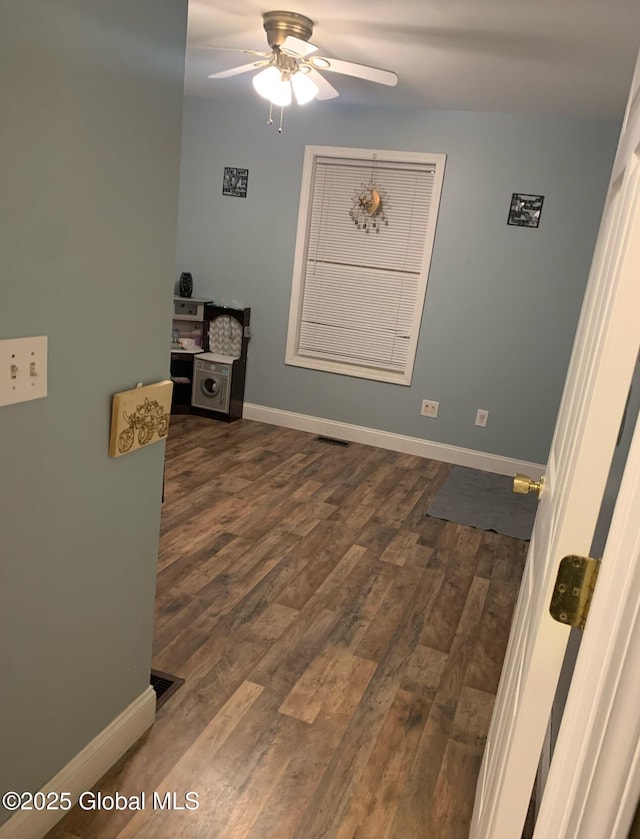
[291, 70]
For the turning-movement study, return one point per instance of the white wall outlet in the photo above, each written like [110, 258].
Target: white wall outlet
[481, 417]
[23, 369]
[429, 408]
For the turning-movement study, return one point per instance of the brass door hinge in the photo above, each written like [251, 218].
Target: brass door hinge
[573, 590]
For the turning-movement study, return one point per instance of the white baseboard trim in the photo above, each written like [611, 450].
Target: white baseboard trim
[395, 442]
[87, 767]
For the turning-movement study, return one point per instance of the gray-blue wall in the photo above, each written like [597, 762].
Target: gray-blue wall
[502, 302]
[91, 94]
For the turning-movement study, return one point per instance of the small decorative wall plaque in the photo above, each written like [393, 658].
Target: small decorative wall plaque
[235, 182]
[525, 210]
[139, 417]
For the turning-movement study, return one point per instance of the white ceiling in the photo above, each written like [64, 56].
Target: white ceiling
[572, 57]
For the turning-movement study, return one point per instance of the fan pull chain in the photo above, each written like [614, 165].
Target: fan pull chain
[270, 118]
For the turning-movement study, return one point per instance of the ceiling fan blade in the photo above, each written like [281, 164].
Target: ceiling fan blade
[296, 46]
[233, 49]
[348, 68]
[235, 71]
[326, 90]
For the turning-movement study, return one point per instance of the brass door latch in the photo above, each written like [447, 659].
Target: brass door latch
[524, 485]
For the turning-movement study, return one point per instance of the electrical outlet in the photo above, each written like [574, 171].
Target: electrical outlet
[23, 369]
[429, 408]
[481, 417]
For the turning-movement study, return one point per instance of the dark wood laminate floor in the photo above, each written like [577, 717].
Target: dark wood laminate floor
[341, 651]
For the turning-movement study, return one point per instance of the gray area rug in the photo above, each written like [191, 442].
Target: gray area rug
[486, 501]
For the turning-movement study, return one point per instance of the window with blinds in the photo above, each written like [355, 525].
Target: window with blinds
[358, 294]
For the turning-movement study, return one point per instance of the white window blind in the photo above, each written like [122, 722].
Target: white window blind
[358, 296]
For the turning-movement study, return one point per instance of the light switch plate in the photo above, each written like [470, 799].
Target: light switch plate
[23, 369]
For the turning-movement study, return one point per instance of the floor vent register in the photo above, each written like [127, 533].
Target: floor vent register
[165, 685]
[332, 441]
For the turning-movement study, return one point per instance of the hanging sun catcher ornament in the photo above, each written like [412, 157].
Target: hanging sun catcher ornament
[368, 205]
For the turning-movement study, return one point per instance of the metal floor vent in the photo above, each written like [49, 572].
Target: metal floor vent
[333, 441]
[165, 685]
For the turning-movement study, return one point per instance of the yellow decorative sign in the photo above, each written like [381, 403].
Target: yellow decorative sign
[139, 417]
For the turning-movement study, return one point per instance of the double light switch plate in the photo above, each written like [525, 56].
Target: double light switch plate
[23, 369]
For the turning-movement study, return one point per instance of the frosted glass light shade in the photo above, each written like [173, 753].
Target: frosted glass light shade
[270, 85]
[304, 89]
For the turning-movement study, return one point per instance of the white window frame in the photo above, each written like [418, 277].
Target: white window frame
[293, 356]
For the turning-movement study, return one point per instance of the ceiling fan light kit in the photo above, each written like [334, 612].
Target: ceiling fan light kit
[276, 84]
[270, 85]
[291, 70]
[304, 89]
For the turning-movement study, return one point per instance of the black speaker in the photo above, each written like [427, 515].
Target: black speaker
[185, 286]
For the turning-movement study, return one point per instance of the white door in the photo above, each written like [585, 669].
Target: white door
[594, 395]
[594, 780]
